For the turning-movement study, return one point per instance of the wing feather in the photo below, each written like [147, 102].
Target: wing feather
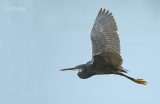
[105, 40]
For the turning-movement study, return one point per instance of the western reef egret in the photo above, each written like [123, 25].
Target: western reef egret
[106, 58]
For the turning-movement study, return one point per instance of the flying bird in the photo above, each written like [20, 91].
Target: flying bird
[106, 58]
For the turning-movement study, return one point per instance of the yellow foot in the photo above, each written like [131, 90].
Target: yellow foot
[140, 81]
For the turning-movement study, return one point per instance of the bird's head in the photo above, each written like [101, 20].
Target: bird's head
[83, 72]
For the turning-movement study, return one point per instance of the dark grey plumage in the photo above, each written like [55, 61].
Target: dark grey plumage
[106, 58]
[105, 40]
[104, 34]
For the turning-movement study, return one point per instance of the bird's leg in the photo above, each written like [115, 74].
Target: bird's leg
[139, 81]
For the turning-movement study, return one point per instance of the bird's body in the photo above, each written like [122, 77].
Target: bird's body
[99, 66]
[106, 58]
[90, 70]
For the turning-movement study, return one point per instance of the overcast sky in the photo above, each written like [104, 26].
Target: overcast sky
[39, 37]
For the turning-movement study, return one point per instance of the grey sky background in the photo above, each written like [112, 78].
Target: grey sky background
[39, 37]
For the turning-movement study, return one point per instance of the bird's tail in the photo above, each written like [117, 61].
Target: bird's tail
[139, 81]
[123, 70]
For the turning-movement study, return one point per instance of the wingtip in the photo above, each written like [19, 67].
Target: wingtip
[100, 11]
[107, 12]
[103, 11]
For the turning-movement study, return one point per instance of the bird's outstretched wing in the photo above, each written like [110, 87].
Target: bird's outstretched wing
[105, 40]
